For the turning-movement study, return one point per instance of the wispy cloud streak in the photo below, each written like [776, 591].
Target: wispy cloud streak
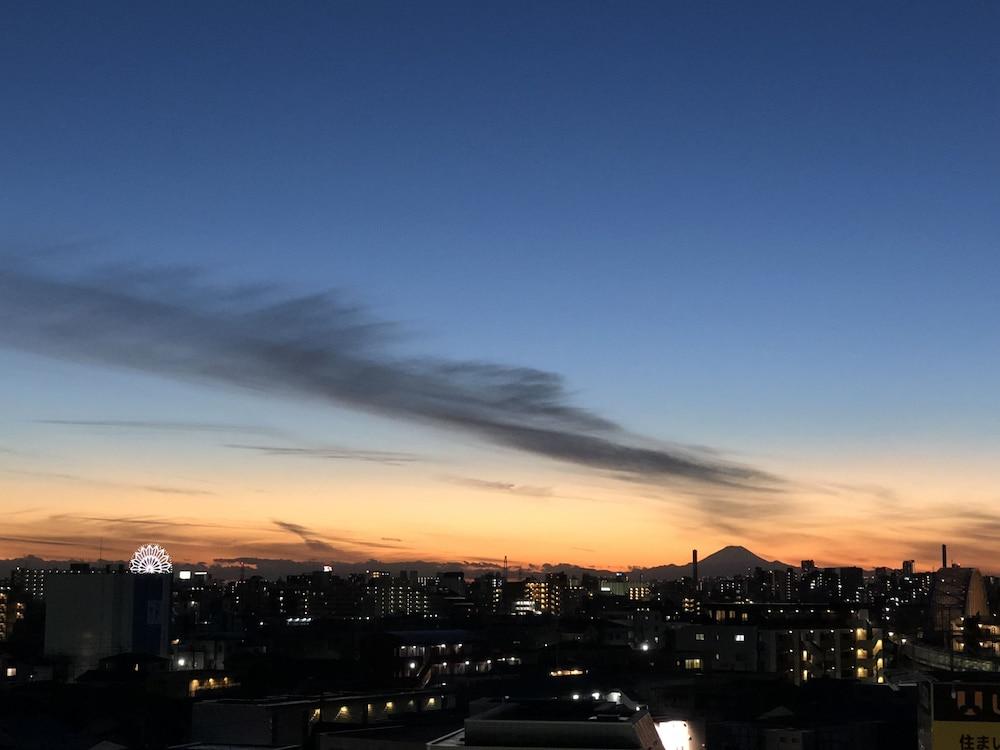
[334, 454]
[158, 426]
[499, 486]
[77, 479]
[174, 323]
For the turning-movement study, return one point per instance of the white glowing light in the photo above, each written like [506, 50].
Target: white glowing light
[674, 735]
[150, 558]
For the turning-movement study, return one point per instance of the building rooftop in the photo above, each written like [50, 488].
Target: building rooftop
[556, 724]
[289, 700]
[434, 637]
[557, 710]
[408, 732]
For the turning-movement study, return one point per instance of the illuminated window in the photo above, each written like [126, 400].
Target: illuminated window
[12, 671]
[699, 636]
[740, 637]
[692, 664]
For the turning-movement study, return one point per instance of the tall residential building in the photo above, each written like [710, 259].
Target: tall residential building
[4, 603]
[789, 585]
[93, 616]
[546, 595]
[29, 582]
[453, 581]
[802, 654]
[490, 592]
[908, 567]
[398, 596]
[850, 583]
[613, 586]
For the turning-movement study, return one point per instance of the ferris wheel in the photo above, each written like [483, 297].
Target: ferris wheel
[150, 558]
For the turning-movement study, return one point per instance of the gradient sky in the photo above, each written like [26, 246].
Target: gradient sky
[763, 236]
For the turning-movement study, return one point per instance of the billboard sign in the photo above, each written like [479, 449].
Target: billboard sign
[966, 716]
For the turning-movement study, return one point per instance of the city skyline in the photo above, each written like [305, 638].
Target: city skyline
[599, 294]
[727, 563]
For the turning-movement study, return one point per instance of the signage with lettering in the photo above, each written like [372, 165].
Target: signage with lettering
[966, 716]
[966, 735]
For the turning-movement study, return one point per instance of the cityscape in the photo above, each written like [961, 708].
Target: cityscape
[729, 651]
[500, 375]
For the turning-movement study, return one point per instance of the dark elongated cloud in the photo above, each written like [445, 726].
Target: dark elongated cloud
[173, 323]
[136, 521]
[75, 542]
[321, 542]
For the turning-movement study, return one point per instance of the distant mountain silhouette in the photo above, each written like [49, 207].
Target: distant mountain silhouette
[728, 561]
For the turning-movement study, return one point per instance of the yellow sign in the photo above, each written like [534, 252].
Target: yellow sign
[966, 735]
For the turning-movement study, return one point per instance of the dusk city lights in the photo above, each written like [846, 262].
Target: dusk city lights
[497, 375]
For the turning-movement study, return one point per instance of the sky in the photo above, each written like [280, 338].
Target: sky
[563, 282]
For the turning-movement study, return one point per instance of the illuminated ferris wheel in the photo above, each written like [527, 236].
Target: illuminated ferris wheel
[150, 558]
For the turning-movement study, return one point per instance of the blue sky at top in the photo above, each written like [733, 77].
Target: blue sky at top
[769, 227]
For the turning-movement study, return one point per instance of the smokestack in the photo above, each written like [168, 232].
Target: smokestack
[944, 555]
[694, 567]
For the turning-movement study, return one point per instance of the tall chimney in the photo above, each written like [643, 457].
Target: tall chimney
[694, 567]
[944, 555]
